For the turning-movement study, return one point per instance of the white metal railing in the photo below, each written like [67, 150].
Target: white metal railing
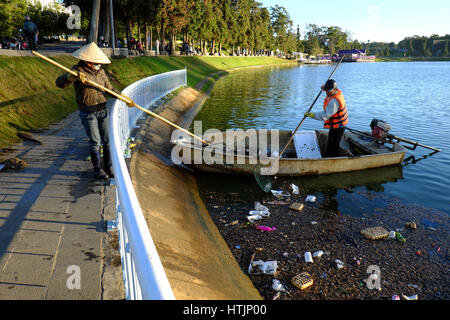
[144, 276]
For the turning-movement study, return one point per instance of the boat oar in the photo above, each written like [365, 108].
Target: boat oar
[264, 181]
[127, 100]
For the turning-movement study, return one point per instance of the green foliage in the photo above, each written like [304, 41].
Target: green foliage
[12, 13]
[29, 98]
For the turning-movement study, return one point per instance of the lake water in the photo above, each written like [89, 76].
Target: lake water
[413, 97]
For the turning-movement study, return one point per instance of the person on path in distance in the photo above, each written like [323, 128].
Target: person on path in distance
[334, 115]
[92, 104]
[31, 32]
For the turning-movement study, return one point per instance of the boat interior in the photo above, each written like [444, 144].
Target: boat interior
[305, 145]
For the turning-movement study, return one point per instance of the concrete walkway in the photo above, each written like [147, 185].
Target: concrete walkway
[53, 242]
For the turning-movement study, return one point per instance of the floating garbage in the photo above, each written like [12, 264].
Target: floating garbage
[339, 264]
[259, 213]
[308, 257]
[269, 267]
[411, 225]
[280, 194]
[254, 218]
[311, 198]
[414, 297]
[395, 297]
[375, 233]
[260, 207]
[318, 254]
[267, 229]
[278, 286]
[392, 235]
[302, 280]
[294, 189]
[296, 206]
[399, 237]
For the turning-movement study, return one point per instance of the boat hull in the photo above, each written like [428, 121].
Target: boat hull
[244, 164]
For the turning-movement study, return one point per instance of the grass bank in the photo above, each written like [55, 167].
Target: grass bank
[30, 100]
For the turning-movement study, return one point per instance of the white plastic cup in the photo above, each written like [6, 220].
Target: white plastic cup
[308, 257]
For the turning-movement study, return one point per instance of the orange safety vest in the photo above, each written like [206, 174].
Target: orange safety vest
[340, 118]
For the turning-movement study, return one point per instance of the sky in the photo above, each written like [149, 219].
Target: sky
[374, 21]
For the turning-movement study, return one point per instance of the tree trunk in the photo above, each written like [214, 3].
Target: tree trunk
[213, 47]
[146, 36]
[172, 45]
[220, 48]
[139, 32]
[93, 35]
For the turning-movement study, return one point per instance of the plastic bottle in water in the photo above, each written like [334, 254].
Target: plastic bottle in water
[259, 213]
[399, 237]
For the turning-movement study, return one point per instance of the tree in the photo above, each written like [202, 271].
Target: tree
[174, 16]
[12, 14]
[281, 25]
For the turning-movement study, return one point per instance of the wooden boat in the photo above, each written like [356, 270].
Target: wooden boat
[302, 157]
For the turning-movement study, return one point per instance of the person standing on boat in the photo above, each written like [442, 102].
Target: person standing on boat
[91, 102]
[334, 115]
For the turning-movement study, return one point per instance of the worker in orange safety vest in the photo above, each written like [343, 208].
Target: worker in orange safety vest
[334, 115]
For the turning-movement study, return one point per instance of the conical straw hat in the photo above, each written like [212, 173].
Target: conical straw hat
[91, 53]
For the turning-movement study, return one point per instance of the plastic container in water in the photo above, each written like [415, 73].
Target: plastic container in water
[308, 257]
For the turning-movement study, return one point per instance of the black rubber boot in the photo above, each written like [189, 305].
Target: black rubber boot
[99, 174]
[107, 164]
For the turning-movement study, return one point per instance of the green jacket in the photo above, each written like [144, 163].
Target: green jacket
[88, 98]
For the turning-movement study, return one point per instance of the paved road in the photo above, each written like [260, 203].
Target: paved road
[52, 222]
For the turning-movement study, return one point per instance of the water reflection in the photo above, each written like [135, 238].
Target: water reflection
[335, 192]
[276, 98]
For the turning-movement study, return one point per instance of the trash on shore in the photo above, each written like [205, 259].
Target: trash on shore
[311, 198]
[14, 164]
[375, 233]
[28, 137]
[296, 206]
[266, 229]
[269, 267]
[302, 280]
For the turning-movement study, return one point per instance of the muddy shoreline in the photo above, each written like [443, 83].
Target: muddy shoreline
[418, 267]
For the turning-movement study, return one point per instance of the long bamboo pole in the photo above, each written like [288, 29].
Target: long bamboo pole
[127, 100]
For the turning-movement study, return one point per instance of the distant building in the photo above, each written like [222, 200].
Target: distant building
[356, 55]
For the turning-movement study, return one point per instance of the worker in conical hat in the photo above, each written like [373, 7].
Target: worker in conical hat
[92, 104]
